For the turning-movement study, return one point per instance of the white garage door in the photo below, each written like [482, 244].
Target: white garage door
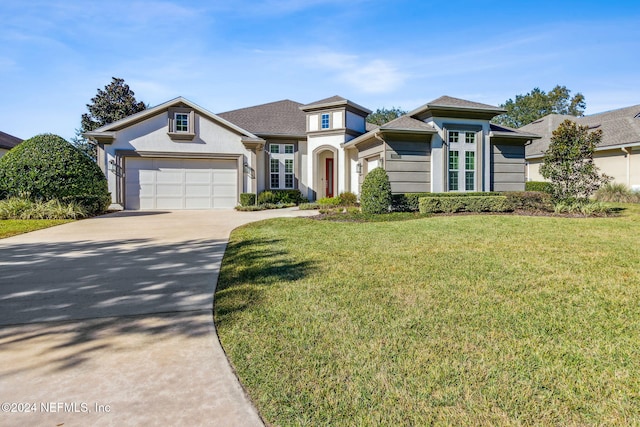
[180, 183]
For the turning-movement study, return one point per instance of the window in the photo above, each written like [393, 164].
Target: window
[453, 136]
[182, 122]
[275, 173]
[453, 170]
[281, 166]
[462, 160]
[469, 174]
[470, 137]
[324, 122]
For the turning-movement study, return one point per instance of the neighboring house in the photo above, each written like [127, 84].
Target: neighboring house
[618, 154]
[178, 155]
[7, 142]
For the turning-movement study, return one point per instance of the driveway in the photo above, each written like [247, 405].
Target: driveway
[108, 321]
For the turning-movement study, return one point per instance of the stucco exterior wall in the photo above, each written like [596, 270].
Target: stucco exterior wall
[150, 135]
[355, 122]
[3, 151]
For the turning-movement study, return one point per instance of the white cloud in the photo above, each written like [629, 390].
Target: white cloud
[363, 74]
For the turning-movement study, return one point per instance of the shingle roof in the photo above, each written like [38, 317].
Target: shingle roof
[449, 101]
[506, 131]
[334, 101]
[8, 141]
[621, 126]
[407, 123]
[329, 100]
[275, 118]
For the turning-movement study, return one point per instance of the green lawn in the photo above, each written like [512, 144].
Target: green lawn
[11, 227]
[448, 320]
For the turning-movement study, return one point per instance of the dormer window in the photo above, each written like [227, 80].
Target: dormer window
[181, 124]
[324, 121]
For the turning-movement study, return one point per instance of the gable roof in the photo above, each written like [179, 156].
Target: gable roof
[274, 118]
[619, 128]
[8, 141]
[110, 128]
[335, 101]
[449, 106]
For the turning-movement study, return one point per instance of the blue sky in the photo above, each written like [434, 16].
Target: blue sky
[224, 55]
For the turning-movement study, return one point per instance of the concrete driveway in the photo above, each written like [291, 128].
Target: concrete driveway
[108, 321]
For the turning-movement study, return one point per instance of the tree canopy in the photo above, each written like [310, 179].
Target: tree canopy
[538, 103]
[115, 102]
[384, 115]
[568, 162]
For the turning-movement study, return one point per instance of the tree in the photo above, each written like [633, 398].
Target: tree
[383, 115]
[115, 102]
[537, 103]
[568, 162]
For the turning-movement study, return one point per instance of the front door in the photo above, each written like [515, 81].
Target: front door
[328, 178]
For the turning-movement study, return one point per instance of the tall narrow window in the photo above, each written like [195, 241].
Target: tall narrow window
[469, 171]
[462, 159]
[281, 166]
[182, 122]
[324, 124]
[453, 170]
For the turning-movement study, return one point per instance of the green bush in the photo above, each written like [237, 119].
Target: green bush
[247, 199]
[530, 200]
[46, 167]
[407, 202]
[24, 208]
[264, 206]
[309, 206]
[543, 186]
[329, 201]
[376, 192]
[451, 204]
[617, 193]
[281, 196]
[582, 207]
[348, 199]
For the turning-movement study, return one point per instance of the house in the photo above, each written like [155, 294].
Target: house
[617, 155]
[179, 155]
[7, 142]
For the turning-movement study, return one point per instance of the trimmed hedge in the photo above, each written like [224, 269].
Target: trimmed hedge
[543, 186]
[281, 196]
[453, 204]
[376, 192]
[247, 199]
[47, 167]
[410, 202]
[530, 200]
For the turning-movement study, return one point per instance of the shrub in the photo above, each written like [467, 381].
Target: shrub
[530, 200]
[308, 206]
[266, 197]
[618, 193]
[247, 199]
[24, 208]
[329, 201]
[264, 206]
[451, 204]
[348, 199]
[582, 207]
[376, 192]
[46, 167]
[543, 186]
[281, 196]
[407, 202]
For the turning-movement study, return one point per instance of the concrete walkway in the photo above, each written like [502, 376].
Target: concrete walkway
[108, 321]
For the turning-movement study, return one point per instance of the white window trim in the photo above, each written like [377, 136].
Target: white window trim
[181, 135]
[282, 157]
[463, 147]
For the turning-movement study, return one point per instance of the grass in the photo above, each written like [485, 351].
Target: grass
[450, 320]
[12, 227]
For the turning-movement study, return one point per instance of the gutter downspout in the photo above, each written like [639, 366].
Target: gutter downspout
[627, 154]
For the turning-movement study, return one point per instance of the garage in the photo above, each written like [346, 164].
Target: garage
[167, 183]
